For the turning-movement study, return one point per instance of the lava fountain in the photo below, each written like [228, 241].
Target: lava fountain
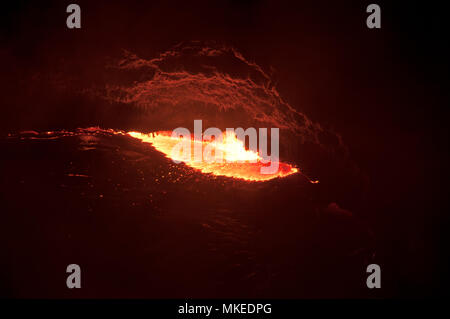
[238, 161]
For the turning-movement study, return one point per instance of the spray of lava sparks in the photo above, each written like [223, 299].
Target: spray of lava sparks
[237, 161]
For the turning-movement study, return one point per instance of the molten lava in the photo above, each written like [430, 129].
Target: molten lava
[237, 161]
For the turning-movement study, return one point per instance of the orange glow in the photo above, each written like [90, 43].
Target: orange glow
[237, 161]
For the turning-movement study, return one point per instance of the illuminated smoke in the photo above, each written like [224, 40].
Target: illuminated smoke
[214, 83]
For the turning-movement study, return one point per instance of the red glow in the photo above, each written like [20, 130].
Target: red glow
[238, 162]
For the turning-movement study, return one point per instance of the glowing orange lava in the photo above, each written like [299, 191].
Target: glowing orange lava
[237, 161]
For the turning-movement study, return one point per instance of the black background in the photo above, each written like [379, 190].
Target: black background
[385, 91]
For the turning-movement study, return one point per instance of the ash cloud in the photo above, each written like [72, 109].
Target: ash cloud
[211, 82]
